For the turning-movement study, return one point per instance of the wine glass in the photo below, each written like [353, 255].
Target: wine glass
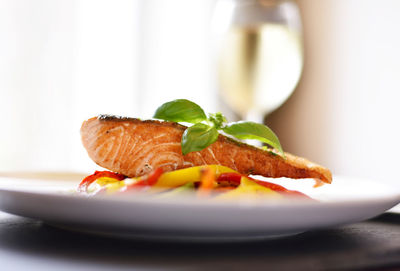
[259, 54]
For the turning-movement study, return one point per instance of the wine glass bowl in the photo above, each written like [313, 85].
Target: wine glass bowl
[260, 54]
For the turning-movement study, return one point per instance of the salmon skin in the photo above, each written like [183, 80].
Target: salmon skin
[134, 147]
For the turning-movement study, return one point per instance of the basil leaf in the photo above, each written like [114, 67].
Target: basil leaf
[217, 119]
[252, 130]
[180, 110]
[198, 137]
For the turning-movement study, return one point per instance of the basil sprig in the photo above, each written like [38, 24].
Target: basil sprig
[204, 132]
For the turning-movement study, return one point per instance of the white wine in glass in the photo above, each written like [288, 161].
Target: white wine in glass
[260, 57]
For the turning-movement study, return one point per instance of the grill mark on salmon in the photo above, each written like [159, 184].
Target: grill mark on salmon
[134, 147]
[233, 161]
[213, 156]
[201, 158]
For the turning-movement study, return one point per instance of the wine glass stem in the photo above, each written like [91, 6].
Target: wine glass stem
[255, 116]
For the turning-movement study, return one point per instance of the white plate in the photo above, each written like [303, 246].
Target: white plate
[345, 201]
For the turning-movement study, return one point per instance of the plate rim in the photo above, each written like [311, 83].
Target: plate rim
[381, 203]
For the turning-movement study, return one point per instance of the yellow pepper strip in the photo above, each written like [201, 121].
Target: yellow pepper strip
[249, 189]
[192, 174]
[112, 185]
[102, 181]
[108, 183]
[111, 188]
[207, 182]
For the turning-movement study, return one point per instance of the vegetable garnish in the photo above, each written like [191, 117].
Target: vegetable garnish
[207, 181]
[204, 132]
[191, 174]
[230, 177]
[249, 188]
[150, 180]
[212, 181]
[83, 186]
[235, 178]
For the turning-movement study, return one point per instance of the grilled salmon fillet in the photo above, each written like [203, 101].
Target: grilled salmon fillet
[134, 148]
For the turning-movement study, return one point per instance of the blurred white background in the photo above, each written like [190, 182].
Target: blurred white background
[64, 61]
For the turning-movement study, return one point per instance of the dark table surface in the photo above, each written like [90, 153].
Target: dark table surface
[27, 244]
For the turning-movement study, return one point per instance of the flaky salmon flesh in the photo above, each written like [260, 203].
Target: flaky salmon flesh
[134, 147]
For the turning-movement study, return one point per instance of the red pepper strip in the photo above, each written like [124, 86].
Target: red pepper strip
[151, 180]
[83, 186]
[231, 177]
[280, 189]
[235, 178]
